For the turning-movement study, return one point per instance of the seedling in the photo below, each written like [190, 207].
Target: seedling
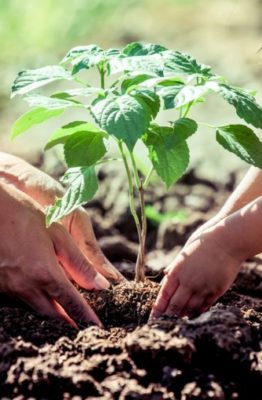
[137, 83]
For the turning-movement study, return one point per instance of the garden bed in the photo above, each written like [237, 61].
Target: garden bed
[215, 356]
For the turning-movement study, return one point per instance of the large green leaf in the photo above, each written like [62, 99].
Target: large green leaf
[246, 106]
[61, 135]
[140, 49]
[50, 103]
[149, 98]
[31, 79]
[169, 94]
[85, 57]
[169, 157]
[149, 64]
[124, 117]
[175, 61]
[180, 95]
[242, 141]
[84, 148]
[183, 128]
[33, 117]
[75, 53]
[133, 81]
[82, 186]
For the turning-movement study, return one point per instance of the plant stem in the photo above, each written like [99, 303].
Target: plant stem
[102, 76]
[141, 259]
[207, 125]
[131, 191]
[148, 177]
[188, 109]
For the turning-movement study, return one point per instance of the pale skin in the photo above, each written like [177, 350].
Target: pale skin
[38, 265]
[209, 262]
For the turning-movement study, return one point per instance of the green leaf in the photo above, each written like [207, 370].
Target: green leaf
[81, 92]
[33, 117]
[183, 129]
[31, 79]
[149, 98]
[81, 51]
[82, 184]
[124, 117]
[246, 106]
[84, 148]
[61, 135]
[164, 81]
[85, 57]
[169, 93]
[151, 64]
[169, 157]
[176, 61]
[180, 95]
[140, 49]
[50, 103]
[133, 81]
[157, 218]
[242, 141]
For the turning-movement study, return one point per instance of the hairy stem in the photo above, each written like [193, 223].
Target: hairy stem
[102, 76]
[131, 191]
[148, 177]
[141, 259]
[189, 105]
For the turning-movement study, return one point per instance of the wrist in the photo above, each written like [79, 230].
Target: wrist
[240, 232]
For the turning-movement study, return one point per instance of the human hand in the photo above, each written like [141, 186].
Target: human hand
[199, 275]
[35, 261]
[44, 189]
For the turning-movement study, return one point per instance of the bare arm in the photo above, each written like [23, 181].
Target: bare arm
[248, 190]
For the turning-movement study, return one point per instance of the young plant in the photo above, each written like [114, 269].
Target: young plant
[137, 83]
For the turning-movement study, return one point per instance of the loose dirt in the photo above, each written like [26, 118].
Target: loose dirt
[217, 355]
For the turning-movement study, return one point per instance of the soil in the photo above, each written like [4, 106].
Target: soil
[217, 355]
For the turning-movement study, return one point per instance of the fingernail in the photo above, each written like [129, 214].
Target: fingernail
[100, 282]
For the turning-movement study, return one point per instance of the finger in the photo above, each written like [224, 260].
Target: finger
[81, 229]
[72, 302]
[74, 262]
[194, 306]
[46, 307]
[178, 302]
[168, 288]
[208, 302]
[98, 260]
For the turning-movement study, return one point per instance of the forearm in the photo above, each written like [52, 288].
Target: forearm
[241, 232]
[248, 190]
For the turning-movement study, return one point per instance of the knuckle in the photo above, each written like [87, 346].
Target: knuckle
[56, 288]
[45, 278]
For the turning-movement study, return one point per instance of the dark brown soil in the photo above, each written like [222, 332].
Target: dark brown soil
[128, 303]
[215, 356]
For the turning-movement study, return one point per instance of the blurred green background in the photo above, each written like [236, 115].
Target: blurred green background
[226, 34]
